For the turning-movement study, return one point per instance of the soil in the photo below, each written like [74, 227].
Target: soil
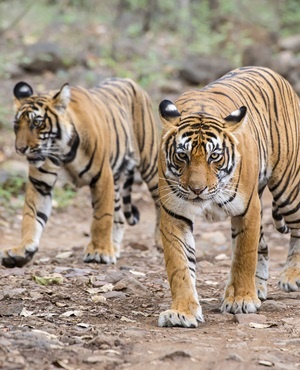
[105, 317]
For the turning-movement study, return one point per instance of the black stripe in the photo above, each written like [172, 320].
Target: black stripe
[179, 217]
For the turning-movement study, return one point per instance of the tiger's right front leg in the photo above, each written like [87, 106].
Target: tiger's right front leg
[36, 211]
[180, 261]
[101, 249]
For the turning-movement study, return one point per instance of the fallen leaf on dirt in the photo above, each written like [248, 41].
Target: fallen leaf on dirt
[257, 325]
[126, 319]
[26, 313]
[49, 279]
[112, 351]
[209, 299]
[76, 313]
[63, 364]
[98, 298]
[138, 246]
[266, 363]
[83, 325]
[59, 304]
[137, 273]
[64, 255]
[48, 335]
[209, 282]
[221, 257]
[106, 288]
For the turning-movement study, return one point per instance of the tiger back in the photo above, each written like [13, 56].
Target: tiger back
[100, 136]
[221, 146]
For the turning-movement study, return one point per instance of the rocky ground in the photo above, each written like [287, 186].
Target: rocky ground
[105, 317]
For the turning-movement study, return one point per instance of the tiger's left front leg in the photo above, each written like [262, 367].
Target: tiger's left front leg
[101, 249]
[240, 294]
[180, 261]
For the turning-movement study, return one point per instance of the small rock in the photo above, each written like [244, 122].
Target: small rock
[245, 319]
[114, 294]
[234, 357]
[273, 306]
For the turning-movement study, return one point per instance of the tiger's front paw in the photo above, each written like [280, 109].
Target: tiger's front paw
[177, 318]
[289, 279]
[99, 255]
[18, 257]
[240, 301]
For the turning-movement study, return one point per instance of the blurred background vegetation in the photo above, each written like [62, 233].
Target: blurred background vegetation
[166, 46]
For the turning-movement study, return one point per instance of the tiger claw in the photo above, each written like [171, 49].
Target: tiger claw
[99, 258]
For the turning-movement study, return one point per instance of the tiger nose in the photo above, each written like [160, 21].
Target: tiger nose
[197, 189]
[21, 150]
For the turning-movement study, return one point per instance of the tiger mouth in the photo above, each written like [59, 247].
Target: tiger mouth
[35, 158]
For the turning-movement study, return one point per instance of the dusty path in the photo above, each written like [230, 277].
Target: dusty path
[75, 325]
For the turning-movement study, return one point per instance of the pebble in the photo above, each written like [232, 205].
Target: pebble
[245, 319]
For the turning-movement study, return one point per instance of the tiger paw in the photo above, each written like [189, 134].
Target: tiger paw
[99, 255]
[18, 257]
[178, 318]
[240, 302]
[289, 279]
[261, 288]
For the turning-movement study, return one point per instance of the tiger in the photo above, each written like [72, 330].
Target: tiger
[100, 137]
[221, 146]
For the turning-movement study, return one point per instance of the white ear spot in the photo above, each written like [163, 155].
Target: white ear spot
[171, 108]
[236, 113]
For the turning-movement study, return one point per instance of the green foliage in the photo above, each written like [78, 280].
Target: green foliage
[12, 194]
[64, 196]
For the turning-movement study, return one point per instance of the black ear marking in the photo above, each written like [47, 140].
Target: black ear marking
[168, 110]
[22, 90]
[237, 115]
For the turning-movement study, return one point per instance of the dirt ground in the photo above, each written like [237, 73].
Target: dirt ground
[105, 317]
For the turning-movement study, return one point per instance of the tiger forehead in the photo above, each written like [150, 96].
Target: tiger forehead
[199, 137]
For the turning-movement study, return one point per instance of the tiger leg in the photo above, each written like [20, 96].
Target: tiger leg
[240, 294]
[101, 249]
[151, 179]
[179, 252]
[131, 212]
[36, 211]
[289, 279]
[262, 267]
[287, 220]
[119, 219]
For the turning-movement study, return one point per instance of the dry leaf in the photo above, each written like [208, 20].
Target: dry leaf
[137, 273]
[76, 313]
[98, 298]
[49, 280]
[257, 325]
[126, 319]
[266, 363]
[26, 313]
[64, 255]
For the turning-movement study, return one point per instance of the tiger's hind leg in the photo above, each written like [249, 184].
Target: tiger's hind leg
[151, 179]
[119, 219]
[289, 279]
[287, 220]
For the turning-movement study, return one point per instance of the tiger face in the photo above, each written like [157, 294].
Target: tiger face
[36, 125]
[201, 152]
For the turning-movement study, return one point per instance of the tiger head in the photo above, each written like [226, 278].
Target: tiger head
[37, 123]
[199, 151]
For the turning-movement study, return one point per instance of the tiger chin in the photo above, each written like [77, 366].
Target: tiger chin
[100, 137]
[221, 146]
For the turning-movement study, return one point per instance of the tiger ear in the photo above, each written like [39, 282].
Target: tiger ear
[21, 90]
[62, 98]
[236, 119]
[169, 113]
